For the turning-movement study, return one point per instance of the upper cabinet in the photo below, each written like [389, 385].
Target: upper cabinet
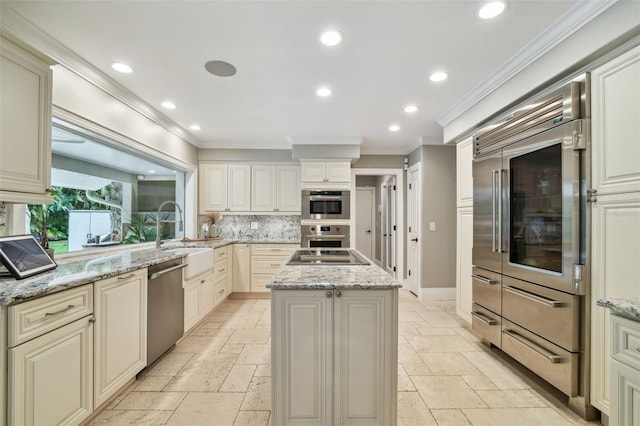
[225, 187]
[326, 174]
[25, 125]
[275, 188]
[464, 181]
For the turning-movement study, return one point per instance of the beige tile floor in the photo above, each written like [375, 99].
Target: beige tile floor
[220, 375]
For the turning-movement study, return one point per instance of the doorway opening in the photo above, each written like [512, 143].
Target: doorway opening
[378, 217]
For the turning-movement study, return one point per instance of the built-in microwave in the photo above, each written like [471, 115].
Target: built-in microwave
[325, 204]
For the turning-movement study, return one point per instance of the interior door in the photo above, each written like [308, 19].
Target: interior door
[391, 231]
[413, 229]
[365, 221]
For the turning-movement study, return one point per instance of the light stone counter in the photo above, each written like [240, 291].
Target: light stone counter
[628, 308]
[72, 272]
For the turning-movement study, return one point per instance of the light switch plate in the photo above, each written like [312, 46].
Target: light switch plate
[254, 225]
[432, 226]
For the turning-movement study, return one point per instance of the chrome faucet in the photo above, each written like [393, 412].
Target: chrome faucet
[158, 242]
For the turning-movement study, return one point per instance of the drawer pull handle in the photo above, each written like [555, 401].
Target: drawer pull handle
[221, 291]
[484, 318]
[221, 270]
[553, 358]
[68, 308]
[638, 349]
[484, 280]
[533, 297]
[275, 265]
[127, 277]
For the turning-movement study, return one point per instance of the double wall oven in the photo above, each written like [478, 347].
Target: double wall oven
[530, 280]
[325, 219]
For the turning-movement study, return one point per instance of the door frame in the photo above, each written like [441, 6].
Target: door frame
[372, 190]
[418, 271]
[399, 174]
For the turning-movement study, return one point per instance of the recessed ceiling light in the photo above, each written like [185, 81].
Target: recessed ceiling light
[491, 10]
[410, 108]
[394, 128]
[220, 68]
[323, 92]
[438, 76]
[195, 127]
[169, 105]
[331, 38]
[151, 171]
[123, 68]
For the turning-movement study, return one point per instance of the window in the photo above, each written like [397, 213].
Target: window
[104, 194]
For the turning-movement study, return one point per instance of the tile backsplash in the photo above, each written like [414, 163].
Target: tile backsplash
[268, 227]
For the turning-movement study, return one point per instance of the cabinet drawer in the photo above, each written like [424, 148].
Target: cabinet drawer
[220, 269]
[626, 341]
[551, 362]
[274, 249]
[219, 292]
[267, 264]
[220, 254]
[37, 317]
[487, 289]
[259, 282]
[549, 313]
[488, 324]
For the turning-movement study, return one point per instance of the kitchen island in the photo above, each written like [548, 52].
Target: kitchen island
[334, 345]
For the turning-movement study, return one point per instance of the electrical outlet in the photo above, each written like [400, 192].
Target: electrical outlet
[254, 225]
[432, 226]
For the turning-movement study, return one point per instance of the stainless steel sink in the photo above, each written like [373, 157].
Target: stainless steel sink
[327, 257]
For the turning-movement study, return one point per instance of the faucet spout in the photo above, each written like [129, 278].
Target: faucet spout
[159, 220]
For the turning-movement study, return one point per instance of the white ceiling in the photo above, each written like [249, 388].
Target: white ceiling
[389, 51]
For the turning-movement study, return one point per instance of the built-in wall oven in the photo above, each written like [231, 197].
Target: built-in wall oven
[530, 280]
[325, 205]
[327, 235]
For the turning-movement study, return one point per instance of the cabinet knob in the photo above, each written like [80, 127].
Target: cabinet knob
[92, 318]
[338, 293]
[638, 349]
[329, 294]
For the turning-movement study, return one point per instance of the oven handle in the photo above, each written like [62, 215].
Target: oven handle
[320, 237]
[533, 297]
[484, 318]
[325, 197]
[553, 358]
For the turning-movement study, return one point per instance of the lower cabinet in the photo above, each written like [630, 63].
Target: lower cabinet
[241, 268]
[266, 259]
[334, 357]
[50, 376]
[625, 372]
[120, 332]
[199, 299]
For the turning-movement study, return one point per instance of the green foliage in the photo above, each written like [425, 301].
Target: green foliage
[141, 229]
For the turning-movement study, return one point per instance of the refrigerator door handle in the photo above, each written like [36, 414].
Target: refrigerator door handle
[493, 210]
[499, 172]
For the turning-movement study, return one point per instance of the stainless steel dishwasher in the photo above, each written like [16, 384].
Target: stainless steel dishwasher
[165, 307]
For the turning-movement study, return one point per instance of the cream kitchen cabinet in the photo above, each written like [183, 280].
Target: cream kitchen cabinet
[266, 259]
[275, 188]
[224, 187]
[615, 206]
[241, 268]
[221, 274]
[625, 372]
[199, 298]
[464, 191]
[120, 344]
[326, 174]
[334, 357]
[50, 359]
[464, 166]
[25, 124]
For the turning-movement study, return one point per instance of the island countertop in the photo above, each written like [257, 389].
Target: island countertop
[309, 277]
[628, 308]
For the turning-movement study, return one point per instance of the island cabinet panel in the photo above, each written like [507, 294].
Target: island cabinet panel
[334, 357]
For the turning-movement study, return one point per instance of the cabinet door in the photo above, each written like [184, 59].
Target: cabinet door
[206, 297]
[464, 263]
[239, 188]
[51, 377]
[230, 256]
[289, 195]
[338, 171]
[25, 126]
[191, 306]
[615, 107]
[366, 365]
[213, 187]
[464, 181]
[314, 171]
[615, 250]
[120, 332]
[625, 395]
[302, 367]
[264, 182]
[241, 267]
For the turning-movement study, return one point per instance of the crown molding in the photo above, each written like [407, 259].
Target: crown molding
[24, 30]
[325, 140]
[571, 21]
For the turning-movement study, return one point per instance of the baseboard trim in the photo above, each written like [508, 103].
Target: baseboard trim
[438, 293]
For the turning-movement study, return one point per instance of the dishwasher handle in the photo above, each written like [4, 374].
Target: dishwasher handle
[164, 271]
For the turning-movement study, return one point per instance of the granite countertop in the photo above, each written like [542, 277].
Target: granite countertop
[74, 272]
[628, 308]
[319, 277]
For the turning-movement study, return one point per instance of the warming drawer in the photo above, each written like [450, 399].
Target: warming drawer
[552, 314]
[486, 289]
[488, 324]
[554, 364]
